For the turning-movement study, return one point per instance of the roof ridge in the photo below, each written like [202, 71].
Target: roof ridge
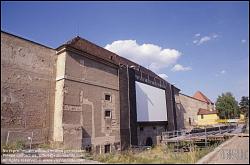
[204, 96]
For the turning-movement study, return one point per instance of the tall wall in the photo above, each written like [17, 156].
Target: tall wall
[60, 96]
[188, 107]
[84, 124]
[27, 89]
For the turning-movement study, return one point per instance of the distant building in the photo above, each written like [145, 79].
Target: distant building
[196, 110]
[207, 117]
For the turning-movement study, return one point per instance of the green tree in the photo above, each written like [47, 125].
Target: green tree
[227, 106]
[244, 105]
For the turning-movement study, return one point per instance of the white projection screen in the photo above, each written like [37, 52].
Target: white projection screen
[150, 103]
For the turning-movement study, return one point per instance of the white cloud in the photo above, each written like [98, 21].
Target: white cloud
[197, 34]
[195, 41]
[203, 39]
[223, 72]
[150, 56]
[220, 73]
[214, 35]
[179, 67]
[163, 75]
[243, 41]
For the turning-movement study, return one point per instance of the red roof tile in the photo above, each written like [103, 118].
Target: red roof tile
[200, 96]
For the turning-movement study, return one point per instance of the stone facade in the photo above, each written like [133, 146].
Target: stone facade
[77, 96]
[27, 89]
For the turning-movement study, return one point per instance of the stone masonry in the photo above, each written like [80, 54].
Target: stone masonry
[77, 96]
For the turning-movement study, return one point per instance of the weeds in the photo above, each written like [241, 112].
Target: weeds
[158, 154]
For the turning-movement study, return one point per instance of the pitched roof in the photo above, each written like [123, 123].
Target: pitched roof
[104, 54]
[200, 96]
[206, 112]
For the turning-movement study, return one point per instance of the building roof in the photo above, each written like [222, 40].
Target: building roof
[84, 45]
[200, 96]
[206, 112]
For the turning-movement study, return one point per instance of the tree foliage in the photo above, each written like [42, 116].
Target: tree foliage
[244, 105]
[227, 106]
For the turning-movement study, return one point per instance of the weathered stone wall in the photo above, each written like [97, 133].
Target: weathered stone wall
[84, 122]
[27, 89]
[60, 96]
[125, 133]
[188, 107]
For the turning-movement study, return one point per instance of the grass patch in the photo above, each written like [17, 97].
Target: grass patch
[158, 154]
[18, 145]
[45, 146]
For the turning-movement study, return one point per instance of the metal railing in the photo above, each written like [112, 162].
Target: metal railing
[198, 132]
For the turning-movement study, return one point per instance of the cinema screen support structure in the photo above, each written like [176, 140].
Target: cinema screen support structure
[150, 103]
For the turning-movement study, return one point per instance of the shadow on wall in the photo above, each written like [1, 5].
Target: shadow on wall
[142, 104]
[180, 110]
[86, 141]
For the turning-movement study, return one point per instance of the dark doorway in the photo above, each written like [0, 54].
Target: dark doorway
[189, 120]
[107, 148]
[149, 141]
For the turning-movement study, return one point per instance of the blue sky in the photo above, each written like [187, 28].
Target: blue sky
[197, 45]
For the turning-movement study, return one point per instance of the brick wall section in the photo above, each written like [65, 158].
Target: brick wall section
[133, 113]
[86, 83]
[27, 88]
[124, 108]
[170, 111]
[28, 94]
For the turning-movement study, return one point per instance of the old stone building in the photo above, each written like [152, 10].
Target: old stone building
[83, 96]
[80, 95]
[189, 108]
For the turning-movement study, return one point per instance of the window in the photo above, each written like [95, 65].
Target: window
[141, 128]
[202, 117]
[107, 148]
[107, 97]
[107, 113]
